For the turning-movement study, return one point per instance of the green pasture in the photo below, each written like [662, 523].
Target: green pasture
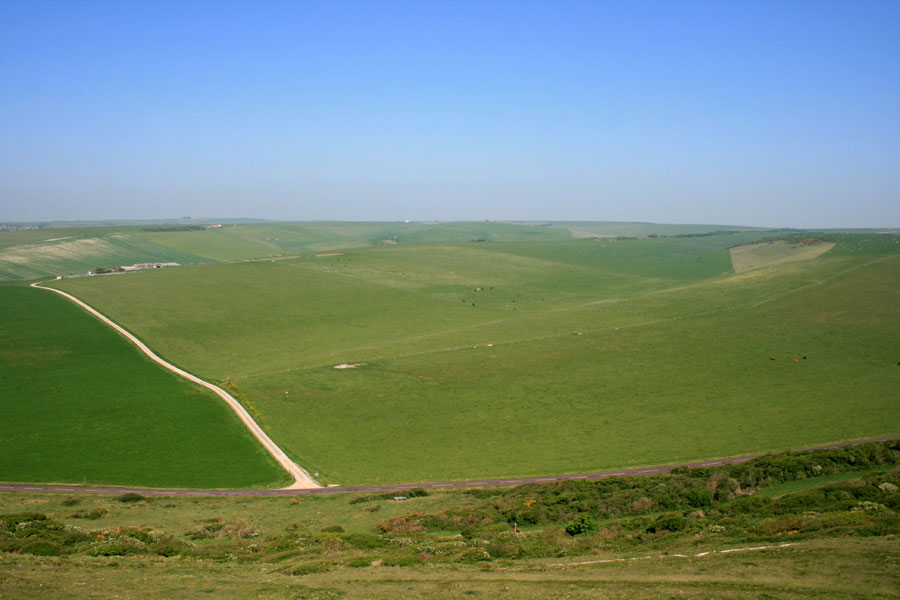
[507, 359]
[65, 250]
[639, 229]
[80, 404]
[32, 254]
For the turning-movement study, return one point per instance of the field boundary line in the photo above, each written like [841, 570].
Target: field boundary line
[466, 483]
[302, 479]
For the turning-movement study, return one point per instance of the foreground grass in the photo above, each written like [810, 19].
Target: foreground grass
[482, 360]
[654, 537]
[81, 405]
[829, 568]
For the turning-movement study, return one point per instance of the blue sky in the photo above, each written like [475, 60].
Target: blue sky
[727, 112]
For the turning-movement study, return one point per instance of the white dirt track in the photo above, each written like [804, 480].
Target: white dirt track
[302, 479]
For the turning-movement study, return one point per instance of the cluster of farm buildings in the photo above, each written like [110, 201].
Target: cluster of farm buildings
[129, 268]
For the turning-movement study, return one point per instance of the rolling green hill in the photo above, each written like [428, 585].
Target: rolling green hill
[52, 251]
[491, 359]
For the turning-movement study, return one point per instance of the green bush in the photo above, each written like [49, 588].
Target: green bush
[41, 548]
[121, 546]
[583, 524]
[667, 522]
[403, 560]
[92, 514]
[359, 562]
[171, 547]
[699, 498]
[364, 541]
[130, 497]
[333, 529]
[10, 520]
[416, 493]
[308, 568]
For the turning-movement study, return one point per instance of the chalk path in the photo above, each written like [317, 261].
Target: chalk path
[302, 479]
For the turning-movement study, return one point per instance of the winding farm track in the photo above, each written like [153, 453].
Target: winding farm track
[74, 489]
[302, 479]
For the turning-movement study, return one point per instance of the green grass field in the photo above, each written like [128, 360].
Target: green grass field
[64, 249]
[516, 358]
[80, 404]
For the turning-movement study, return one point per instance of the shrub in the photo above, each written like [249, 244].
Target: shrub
[41, 548]
[581, 525]
[307, 568]
[699, 497]
[475, 555]
[405, 523]
[359, 562]
[92, 514]
[782, 524]
[667, 522]
[130, 497]
[416, 493]
[171, 547]
[333, 529]
[403, 560]
[141, 535]
[71, 501]
[10, 520]
[121, 546]
[239, 528]
[505, 549]
[364, 541]
[867, 506]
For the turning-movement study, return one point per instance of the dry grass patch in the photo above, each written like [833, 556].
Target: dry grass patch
[754, 256]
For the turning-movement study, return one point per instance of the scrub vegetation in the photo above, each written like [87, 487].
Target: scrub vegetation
[488, 359]
[778, 526]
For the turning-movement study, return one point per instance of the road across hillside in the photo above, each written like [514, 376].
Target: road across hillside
[302, 479]
[406, 486]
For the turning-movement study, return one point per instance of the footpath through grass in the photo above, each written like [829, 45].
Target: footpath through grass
[80, 404]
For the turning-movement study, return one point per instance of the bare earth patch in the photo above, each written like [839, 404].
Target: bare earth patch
[348, 366]
[331, 254]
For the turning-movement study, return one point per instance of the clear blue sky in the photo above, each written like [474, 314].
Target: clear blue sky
[771, 113]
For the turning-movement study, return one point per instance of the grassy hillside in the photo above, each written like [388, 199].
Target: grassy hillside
[484, 359]
[820, 524]
[51, 252]
[638, 229]
[31, 254]
[763, 254]
[81, 404]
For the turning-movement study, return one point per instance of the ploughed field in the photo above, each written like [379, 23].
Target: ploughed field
[513, 358]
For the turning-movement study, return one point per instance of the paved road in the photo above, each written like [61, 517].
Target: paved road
[406, 486]
[302, 479]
